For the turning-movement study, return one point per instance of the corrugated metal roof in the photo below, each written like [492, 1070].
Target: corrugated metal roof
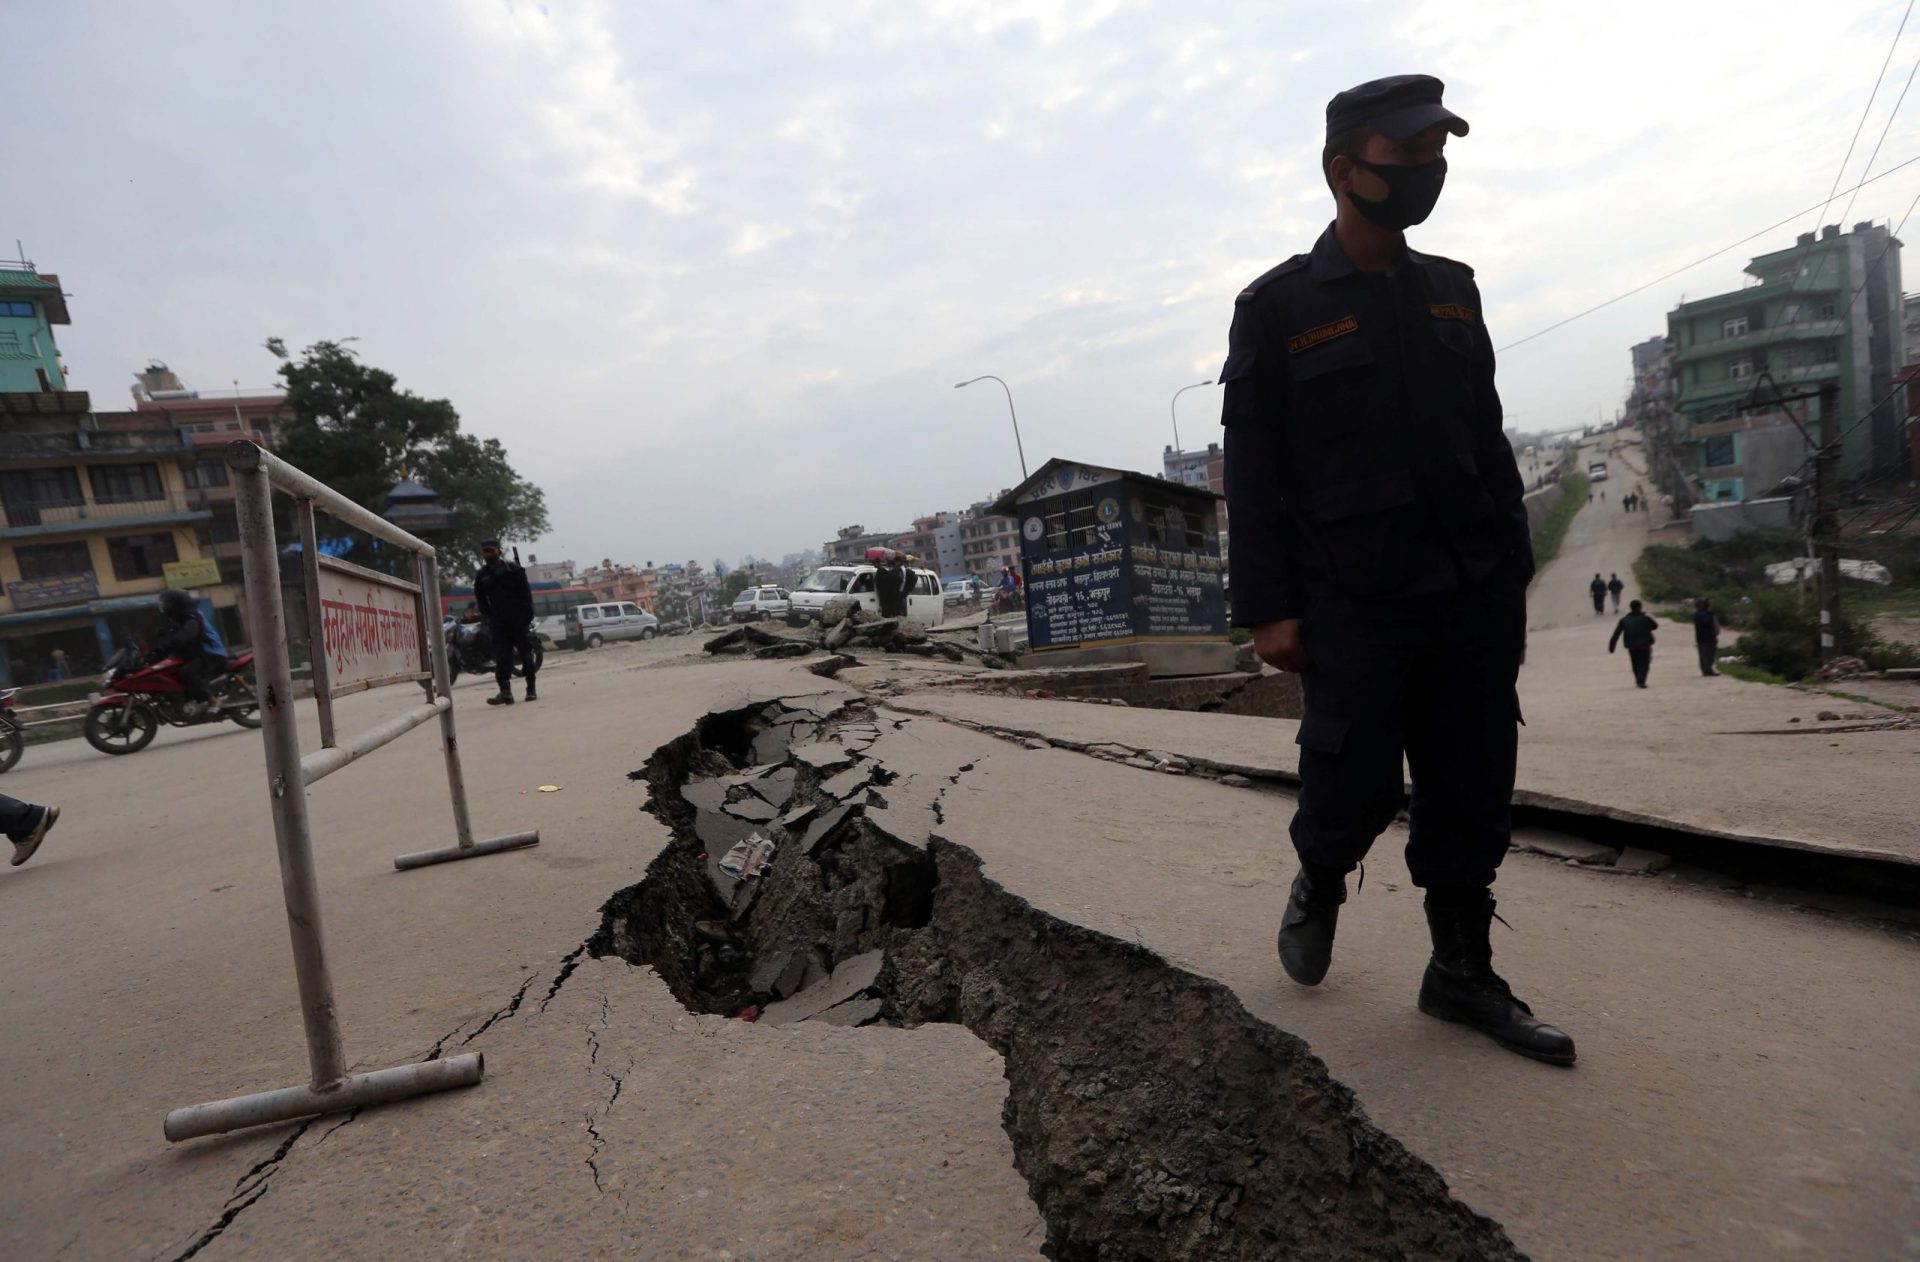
[13, 278]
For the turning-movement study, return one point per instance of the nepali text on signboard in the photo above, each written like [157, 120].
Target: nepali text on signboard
[1178, 593]
[43, 593]
[1079, 596]
[199, 572]
[369, 630]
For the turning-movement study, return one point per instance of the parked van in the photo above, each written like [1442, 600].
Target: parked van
[925, 603]
[590, 626]
[1597, 471]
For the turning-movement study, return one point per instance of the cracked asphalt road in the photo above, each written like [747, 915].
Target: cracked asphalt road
[151, 970]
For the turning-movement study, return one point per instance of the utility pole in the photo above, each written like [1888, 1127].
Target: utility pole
[1826, 546]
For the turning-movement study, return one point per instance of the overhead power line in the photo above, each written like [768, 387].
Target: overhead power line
[1705, 258]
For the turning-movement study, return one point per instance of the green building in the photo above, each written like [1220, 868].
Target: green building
[30, 305]
[1826, 309]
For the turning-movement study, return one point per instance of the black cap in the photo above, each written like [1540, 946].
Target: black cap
[1397, 107]
[490, 543]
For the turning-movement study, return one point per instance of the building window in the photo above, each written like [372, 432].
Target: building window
[141, 556]
[208, 473]
[54, 560]
[1790, 314]
[10, 308]
[1826, 310]
[126, 483]
[1717, 452]
[1734, 326]
[1739, 369]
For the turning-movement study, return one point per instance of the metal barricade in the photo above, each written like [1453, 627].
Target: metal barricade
[357, 627]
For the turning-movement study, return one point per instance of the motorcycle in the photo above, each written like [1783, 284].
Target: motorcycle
[139, 696]
[470, 648]
[13, 742]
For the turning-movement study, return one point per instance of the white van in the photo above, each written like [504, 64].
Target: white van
[590, 626]
[925, 603]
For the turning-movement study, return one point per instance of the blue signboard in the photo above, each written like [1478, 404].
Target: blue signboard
[64, 589]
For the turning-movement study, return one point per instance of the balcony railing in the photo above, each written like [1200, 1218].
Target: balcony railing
[67, 515]
[77, 443]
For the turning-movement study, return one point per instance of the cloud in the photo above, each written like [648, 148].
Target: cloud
[659, 250]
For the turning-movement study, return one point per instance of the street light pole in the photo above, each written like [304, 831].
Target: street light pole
[1175, 413]
[1010, 412]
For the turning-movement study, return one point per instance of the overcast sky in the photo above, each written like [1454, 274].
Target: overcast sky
[710, 269]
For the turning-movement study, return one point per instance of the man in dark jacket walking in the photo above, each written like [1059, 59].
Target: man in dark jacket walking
[1381, 551]
[1598, 587]
[1637, 630]
[1706, 634]
[506, 601]
[1614, 588]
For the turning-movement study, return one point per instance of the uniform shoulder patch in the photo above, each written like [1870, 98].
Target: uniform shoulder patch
[1324, 333]
[1454, 311]
[1293, 264]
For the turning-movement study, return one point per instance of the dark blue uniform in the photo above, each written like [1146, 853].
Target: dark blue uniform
[1373, 493]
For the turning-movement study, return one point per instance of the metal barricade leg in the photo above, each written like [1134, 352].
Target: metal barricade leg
[331, 1087]
[428, 569]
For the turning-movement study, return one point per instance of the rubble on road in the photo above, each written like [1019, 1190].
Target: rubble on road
[845, 626]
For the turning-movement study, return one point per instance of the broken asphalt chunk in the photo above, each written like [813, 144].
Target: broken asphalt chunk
[847, 981]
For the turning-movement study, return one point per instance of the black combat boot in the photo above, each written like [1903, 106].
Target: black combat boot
[1306, 931]
[533, 693]
[503, 697]
[1461, 985]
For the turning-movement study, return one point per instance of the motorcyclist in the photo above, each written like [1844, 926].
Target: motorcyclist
[506, 601]
[194, 640]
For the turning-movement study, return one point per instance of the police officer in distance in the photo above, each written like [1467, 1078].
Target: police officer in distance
[505, 600]
[1381, 551]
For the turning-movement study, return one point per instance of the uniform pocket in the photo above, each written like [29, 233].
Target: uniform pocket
[1322, 733]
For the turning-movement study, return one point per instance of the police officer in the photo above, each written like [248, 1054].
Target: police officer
[506, 601]
[1381, 551]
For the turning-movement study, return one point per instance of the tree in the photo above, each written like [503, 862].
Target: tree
[733, 584]
[352, 427]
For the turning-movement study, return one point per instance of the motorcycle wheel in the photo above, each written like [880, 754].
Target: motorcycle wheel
[239, 691]
[115, 730]
[12, 745]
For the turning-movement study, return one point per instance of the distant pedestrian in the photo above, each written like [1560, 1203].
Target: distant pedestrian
[1614, 588]
[1706, 634]
[26, 825]
[1637, 630]
[59, 665]
[1599, 589]
[502, 594]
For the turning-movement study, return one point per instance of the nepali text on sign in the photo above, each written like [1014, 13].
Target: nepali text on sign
[368, 630]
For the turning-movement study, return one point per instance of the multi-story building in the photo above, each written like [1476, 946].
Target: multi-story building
[935, 539]
[210, 422]
[850, 546]
[609, 581]
[101, 510]
[1649, 409]
[30, 305]
[989, 542]
[1204, 470]
[539, 571]
[98, 519]
[1827, 309]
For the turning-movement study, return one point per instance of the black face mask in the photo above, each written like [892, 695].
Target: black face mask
[1411, 193]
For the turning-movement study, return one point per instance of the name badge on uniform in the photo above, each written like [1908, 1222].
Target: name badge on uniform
[1453, 311]
[1325, 333]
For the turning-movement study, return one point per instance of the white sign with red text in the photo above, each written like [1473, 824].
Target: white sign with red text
[369, 630]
